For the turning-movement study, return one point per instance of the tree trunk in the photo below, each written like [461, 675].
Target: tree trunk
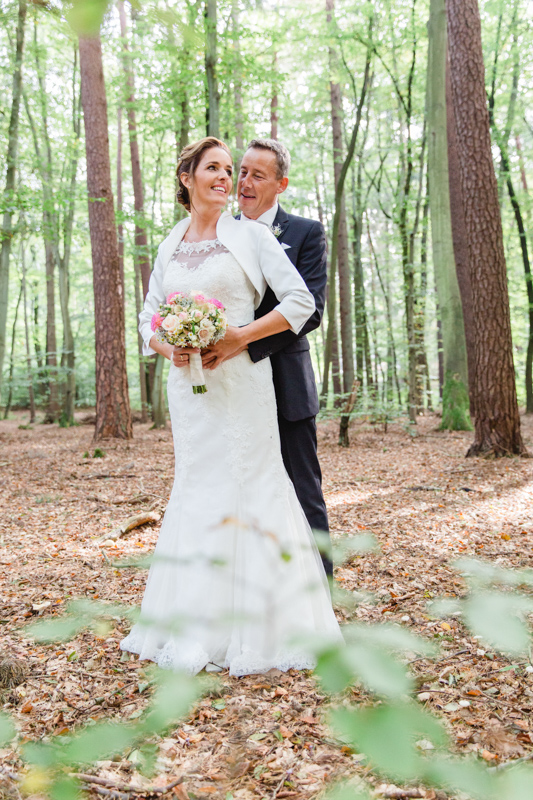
[27, 334]
[141, 242]
[237, 83]
[53, 412]
[113, 417]
[213, 97]
[120, 225]
[460, 245]
[68, 359]
[7, 407]
[9, 189]
[274, 117]
[455, 403]
[143, 373]
[497, 430]
[343, 258]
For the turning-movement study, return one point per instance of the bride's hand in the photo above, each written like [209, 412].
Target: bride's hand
[180, 356]
[231, 345]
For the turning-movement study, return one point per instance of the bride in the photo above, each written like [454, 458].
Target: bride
[236, 581]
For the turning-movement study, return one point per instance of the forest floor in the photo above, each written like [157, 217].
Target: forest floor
[261, 736]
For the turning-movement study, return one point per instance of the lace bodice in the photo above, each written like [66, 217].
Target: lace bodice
[210, 268]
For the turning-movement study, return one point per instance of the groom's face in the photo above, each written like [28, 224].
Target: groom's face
[258, 185]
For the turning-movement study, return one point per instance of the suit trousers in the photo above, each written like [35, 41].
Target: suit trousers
[299, 451]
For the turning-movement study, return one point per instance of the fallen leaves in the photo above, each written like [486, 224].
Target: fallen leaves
[261, 736]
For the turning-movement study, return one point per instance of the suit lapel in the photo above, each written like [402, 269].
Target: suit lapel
[282, 219]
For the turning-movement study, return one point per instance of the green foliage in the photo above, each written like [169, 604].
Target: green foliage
[388, 734]
[99, 453]
[85, 16]
[7, 729]
[455, 405]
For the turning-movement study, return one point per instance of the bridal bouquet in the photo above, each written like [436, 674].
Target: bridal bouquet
[190, 321]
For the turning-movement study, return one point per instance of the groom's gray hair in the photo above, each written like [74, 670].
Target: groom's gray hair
[283, 158]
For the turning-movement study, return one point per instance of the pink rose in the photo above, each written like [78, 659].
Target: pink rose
[171, 297]
[183, 315]
[157, 321]
[170, 323]
[197, 314]
[216, 303]
[198, 297]
[204, 335]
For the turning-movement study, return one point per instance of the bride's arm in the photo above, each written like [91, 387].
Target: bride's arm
[154, 298]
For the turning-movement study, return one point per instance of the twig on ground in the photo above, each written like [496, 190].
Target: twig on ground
[146, 517]
[113, 787]
[509, 764]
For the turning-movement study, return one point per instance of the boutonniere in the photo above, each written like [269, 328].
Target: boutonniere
[276, 230]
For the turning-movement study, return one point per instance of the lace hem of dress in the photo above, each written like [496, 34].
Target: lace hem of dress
[192, 658]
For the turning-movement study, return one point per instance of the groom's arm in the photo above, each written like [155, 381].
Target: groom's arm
[312, 266]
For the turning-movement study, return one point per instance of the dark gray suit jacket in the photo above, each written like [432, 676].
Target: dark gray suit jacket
[294, 379]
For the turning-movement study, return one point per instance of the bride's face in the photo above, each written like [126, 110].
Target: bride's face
[212, 180]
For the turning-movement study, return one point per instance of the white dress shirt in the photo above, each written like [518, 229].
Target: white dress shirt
[267, 218]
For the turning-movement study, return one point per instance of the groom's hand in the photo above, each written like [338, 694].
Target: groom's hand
[230, 346]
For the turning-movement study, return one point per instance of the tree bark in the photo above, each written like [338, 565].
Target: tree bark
[7, 406]
[460, 244]
[113, 417]
[455, 393]
[213, 97]
[237, 83]
[141, 242]
[9, 189]
[29, 370]
[342, 248]
[497, 429]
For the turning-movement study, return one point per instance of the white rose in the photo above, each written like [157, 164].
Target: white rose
[170, 323]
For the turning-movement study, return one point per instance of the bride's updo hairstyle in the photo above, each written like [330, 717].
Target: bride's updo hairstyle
[190, 157]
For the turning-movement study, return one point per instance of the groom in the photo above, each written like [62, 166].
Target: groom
[263, 176]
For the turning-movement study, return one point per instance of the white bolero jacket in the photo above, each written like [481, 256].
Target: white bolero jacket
[260, 256]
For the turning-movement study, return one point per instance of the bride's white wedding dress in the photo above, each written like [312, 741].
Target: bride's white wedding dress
[236, 577]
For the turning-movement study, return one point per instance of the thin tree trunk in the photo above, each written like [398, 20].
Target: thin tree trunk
[497, 428]
[455, 402]
[213, 97]
[120, 225]
[237, 82]
[274, 116]
[342, 252]
[113, 417]
[53, 411]
[143, 374]
[336, 237]
[502, 141]
[27, 334]
[9, 188]
[141, 243]
[391, 345]
[68, 360]
[7, 408]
